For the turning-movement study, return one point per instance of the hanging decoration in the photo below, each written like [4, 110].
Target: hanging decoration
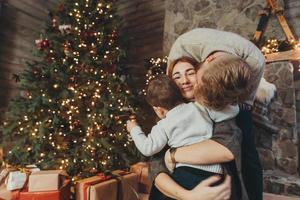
[273, 49]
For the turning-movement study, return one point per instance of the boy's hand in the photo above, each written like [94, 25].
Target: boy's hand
[131, 124]
[168, 161]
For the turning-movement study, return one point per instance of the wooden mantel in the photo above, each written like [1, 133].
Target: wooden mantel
[283, 56]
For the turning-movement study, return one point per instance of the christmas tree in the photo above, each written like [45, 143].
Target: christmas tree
[74, 101]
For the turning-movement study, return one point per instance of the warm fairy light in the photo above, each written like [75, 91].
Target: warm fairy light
[157, 66]
[297, 45]
[55, 86]
[270, 47]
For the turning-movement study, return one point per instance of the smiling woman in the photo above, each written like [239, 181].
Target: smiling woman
[183, 72]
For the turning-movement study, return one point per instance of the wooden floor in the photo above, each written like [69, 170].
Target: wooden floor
[268, 196]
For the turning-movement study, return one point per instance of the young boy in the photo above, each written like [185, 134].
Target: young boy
[185, 124]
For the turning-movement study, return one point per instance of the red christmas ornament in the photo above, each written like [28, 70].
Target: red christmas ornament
[61, 8]
[114, 34]
[89, 36]
[25, 94]
[92, 33]
[67, 49]
[42, 43]
[76, 123]
[54, 22]
[45, 44]
[35, 71]
[49, 57]
[110, 68]
[72, 78]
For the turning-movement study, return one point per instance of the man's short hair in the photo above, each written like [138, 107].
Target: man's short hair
[226, 81]
[163, 92]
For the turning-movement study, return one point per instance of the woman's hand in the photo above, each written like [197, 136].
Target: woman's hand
[168, 161]
[204, 191]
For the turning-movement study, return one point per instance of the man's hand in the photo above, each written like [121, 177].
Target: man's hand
[168, 161]
[131, 124]
[204, 191]
[265, 91]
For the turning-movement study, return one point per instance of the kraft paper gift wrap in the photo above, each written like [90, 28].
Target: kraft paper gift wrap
[46, 180]
[120, 185]
[142, 170]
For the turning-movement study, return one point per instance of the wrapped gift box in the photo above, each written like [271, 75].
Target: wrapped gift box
[32, 168]
[3, 174]
[16, 180]
[142, 170]
[144, 196]
[118, 185]
[4, 193]
[62, 194]
[46, 180]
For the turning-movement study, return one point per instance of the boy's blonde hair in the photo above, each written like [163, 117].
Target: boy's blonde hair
[225, 81]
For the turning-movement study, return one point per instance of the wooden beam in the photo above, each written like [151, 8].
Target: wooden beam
[279, 13]
[283, 56]
[285, 27]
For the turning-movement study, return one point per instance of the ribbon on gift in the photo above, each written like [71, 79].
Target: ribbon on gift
[105, 177]
[118, 175]
[86, 185]
[4, 173]
[139, 168]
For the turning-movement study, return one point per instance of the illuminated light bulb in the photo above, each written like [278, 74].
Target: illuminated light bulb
[55, 86]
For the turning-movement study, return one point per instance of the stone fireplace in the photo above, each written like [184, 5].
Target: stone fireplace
[276, 132]
[276, 125]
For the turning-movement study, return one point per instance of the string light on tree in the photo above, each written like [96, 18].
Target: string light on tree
[155, 66]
